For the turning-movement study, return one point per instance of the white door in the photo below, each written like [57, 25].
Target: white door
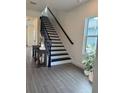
[31, 33]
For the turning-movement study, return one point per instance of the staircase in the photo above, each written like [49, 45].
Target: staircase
[55, 49]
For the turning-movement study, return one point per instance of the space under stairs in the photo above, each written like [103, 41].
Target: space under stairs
[55, 48]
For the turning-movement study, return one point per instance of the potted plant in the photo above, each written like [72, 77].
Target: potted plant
[88, 63]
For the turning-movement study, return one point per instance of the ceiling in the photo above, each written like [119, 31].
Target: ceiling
[62, 5]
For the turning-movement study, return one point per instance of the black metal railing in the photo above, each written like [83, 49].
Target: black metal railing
[47, 41]
[61, 27]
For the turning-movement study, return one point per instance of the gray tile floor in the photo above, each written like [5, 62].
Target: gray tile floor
[65, 78]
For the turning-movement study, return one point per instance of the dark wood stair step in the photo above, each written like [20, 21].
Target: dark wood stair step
[59, 54]
[56, 42]
[55, 39]
[57, 46]
[58, 50]
[60, 59]
[54, 36]
[47, 24]
[52, 33]
[50, 28]
[46, 21]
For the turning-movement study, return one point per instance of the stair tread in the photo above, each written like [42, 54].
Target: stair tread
[55, 39]
[54, 36]
[58, 49]
[56, 42]
[59, 54]
[52, 33]
[60, 59]
[53, 29]
[57, 46]
[45, 22]
[48, 26]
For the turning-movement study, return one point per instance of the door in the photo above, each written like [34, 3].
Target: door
[31, 31]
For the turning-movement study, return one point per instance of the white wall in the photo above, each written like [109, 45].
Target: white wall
[73, 23]
[33, 13]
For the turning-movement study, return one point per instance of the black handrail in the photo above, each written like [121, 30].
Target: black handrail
[61, 26]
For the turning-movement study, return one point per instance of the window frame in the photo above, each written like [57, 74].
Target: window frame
[86, 34]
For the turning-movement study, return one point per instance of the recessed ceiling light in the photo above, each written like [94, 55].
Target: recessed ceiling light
[33, 3]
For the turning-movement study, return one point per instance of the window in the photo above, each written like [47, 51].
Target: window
[90, 42]
[91, 35]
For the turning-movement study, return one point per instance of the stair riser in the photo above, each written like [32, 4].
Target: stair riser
[57, 44]
[52, 33]
[54, 37]
[50, 28]
[56, 41]
[57, 52]
[60, 62]
[57, 48]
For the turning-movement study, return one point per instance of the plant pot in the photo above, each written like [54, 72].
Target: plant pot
[90, 76]
[86, 72]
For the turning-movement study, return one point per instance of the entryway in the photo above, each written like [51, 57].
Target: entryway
[31, 31]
